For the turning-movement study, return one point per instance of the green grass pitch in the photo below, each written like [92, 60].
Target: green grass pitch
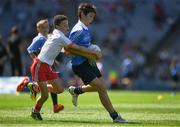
[141, 109]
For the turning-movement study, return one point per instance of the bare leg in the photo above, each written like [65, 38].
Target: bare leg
[99, 85]
[40, 101]
[88, 88]
[58, 89]
[54, 86]
[44, 93]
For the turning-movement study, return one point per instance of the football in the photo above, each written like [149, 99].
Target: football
[95, 48]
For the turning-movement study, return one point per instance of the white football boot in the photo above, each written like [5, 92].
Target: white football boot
[120, 120]
[74, 96]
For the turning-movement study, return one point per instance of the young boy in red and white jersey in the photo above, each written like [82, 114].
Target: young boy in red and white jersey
[33, 50]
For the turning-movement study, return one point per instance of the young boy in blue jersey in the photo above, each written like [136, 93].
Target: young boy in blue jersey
[33, 50]
[89, 74]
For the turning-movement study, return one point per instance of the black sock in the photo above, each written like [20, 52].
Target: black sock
[114, 115]
[78, 90]
[54, 98]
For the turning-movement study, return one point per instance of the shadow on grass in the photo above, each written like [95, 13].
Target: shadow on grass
[131, 123]
[161, 122]
[90, 122]
[93, 122]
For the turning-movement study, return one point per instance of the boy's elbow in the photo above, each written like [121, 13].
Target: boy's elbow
[98, 56]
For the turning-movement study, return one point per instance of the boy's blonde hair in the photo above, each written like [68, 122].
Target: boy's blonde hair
[41, 23]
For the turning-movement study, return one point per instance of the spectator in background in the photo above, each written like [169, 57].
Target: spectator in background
[175, 73]
[163, 62]
[128, 71]
[113, 78]
[116, 37]
[159, 15]
[14, 42]
[3, 56]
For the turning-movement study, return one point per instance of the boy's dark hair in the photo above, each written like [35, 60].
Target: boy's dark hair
[58, 19]
[14, 30]
[86, 8]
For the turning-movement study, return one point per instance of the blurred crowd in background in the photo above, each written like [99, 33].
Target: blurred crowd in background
[139, 39]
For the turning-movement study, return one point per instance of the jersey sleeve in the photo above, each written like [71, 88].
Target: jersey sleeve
[36, 45]
[76, 36]
[66, 41]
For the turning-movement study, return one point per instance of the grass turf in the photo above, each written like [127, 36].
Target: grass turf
[139, 108]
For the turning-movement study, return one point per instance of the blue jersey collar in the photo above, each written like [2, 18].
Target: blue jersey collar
[83, 25]
[40, 34]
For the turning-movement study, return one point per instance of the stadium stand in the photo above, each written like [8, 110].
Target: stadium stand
[141, 29]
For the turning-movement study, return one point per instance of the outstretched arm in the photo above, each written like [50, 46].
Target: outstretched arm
[79, 50]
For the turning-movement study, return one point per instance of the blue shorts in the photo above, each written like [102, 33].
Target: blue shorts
[86, 72]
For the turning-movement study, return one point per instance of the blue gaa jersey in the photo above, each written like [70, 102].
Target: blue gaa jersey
[80, 35]
[37, 44]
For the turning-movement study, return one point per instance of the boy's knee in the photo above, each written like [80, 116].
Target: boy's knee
[99, 85]
[60, 90]
[44, 97]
